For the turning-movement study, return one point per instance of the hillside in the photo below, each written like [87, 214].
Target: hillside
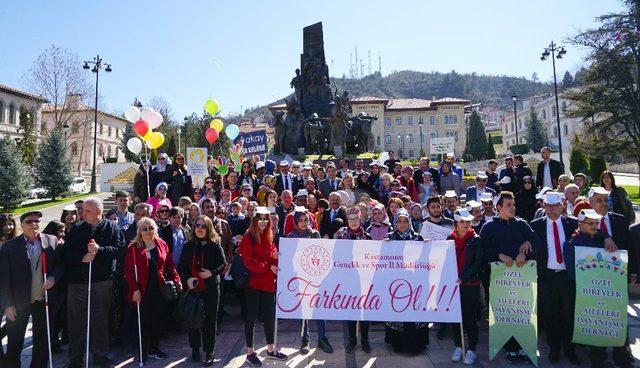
[491, 90]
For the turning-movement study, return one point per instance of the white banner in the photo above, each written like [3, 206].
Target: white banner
[430, 231]
[368, 280]
[442, 145]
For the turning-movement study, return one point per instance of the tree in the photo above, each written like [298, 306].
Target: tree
[28, 142]
[535, 131]
[172, 147]
[491, 152]
[597, 164]
[534, 77]
[608, 100]
[577, 159]
[128, 134]
[53, 169]
[195, 127]
[477, 144]
[15, 180]
[567, 80]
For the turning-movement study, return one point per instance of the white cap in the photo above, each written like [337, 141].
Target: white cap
[462, 215]
[344, 197]
[486, 197]
[542, 192]
[284, 163]
[259, 165]
[482, 175]
[589, 213]
[306, 165]
[301, 209]
[450, 194]
[451, 154]
[261, 210]
[473, 204]
[598, 190]
[295, 163]
[553, 198]
[70, 207]
[302, 192]
[505, 180]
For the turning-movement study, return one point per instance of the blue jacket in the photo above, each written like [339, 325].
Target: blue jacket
[505, 237]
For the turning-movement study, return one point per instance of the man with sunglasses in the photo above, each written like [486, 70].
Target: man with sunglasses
[475, 192]
[22, 287]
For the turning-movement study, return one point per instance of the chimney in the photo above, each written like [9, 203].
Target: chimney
[433, 98]
[73, 101]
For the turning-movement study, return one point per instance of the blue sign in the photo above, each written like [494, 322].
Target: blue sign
[254, 143]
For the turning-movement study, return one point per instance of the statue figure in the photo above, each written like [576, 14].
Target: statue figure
[325, 88]
[293, 127]
[296, 84]
[339, 118]
[315, 133]
[360, 127]
[279, 133]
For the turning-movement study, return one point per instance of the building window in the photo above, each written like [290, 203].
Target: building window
[564, 106]
[387, 121]
[519, 123]
[75, 127]
[1, 112]
[446, 119]
[544, 114]
[101, 150]
[399, 120]
[108, 150]
[409, 120]
[553, 110]
[109, 132]
[12, 114]
[118, 132]
[101, 130]
[74, 148]
[506, 129]
[378, 140]
[566, 129]
[450, 119]
[432, 120]
[512, 126]
[410, 138]
[555, 132]
[433, 135]
[399, 139]
[410, 153]
[387, 139]
[420, 119]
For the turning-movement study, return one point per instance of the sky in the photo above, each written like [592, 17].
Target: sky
[244, 53]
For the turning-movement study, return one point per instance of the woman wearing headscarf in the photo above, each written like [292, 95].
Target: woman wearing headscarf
[160, 198]
[160, 173]
[406, 337]
[142, 182]
[355, 231]
[303, 230]
[180, 180]
[363, 186]
[379, 226]
[526, 201]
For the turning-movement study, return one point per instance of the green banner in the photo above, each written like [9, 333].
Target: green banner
[601, 297]
[513, 295]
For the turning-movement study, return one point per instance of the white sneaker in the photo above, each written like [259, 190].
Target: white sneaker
[470, 357]
[457, 355]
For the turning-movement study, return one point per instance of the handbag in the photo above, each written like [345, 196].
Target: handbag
[239, 273]
[169, 291]
[189, 312]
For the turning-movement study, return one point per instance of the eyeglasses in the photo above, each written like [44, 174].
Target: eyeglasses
[483, 180]
[353, 218]
[209, 182]
[160, 158]
[162, 189]
[145, 229]
[35, 221]
[246, 189]
[590, 223]
[201, 226]
[163, 211]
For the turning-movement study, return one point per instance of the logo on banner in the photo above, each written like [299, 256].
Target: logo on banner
[315, 260]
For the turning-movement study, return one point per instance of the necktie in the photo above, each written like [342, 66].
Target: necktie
[556, 238]
[603, 226]
[286, 182]
[333, 184]
[333, 215]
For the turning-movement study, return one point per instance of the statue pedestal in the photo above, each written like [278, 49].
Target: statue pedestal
[337, 151]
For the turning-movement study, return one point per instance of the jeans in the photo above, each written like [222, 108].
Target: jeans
[320, 325]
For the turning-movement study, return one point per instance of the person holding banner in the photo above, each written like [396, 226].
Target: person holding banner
[405, 337]
[303, 230]
[355, 231]
[260, 257]
[24, 261]
[556, 290]
[510, 240]
[469, 261]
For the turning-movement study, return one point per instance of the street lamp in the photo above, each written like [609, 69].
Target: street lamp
[515, 115]
[551, 49]
[65, 128]
[98, 64]
[421, 123]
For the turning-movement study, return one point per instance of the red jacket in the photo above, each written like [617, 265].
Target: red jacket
[258, 259]
[290, 225]
[412, 191]
[164, 267]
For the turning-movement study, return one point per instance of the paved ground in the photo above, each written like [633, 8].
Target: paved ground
[54, 212]
[230, 349]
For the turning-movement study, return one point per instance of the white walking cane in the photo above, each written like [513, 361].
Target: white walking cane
[135, 271]
[46, 308]
[86, 358]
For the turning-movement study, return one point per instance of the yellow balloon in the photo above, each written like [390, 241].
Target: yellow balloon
[156, 140]
[147, 136]
[217, 125]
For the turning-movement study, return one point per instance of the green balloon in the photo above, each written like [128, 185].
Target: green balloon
[211, 106]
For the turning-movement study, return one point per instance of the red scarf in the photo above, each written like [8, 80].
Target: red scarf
[461, 249]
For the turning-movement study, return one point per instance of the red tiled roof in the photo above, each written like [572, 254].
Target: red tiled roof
[451, 100]
[368, 99]
[7, 89]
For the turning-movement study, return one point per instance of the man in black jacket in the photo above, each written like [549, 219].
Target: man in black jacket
[521, 170]
[284, 180]
[556, 290]
[424, 166]
[98, 242]
[548, 170]
[510, 172]
[334, 217]
[22, 287]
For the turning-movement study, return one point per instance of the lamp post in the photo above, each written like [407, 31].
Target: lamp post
[65, 128]
[515, 115]
[421, 123]
[98, 64]
[551, 49]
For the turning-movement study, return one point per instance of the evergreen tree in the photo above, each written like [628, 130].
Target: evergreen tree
[477, 138]
[577, 159]
[15, 180]
[128, 133]
[491, 152]
[27, 144]
[567, 80]
[597, 163]
[535, 132]
[172, 147]
[53, 169]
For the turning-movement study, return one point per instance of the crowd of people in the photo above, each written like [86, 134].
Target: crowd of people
[170, 236]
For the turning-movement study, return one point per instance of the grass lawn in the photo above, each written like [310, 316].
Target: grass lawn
[632, 190]
[48, 203]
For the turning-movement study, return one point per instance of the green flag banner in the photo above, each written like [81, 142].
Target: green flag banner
[600, 317]
[513, 295]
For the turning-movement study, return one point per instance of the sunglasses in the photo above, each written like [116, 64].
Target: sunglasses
[353, 219]
[162, 189]
[201, 226]
[209, 182]
[163, 211]
[29, 222]
[179, 159]
[145, 229]
[160, 158]
[395, 185]
[246, 189]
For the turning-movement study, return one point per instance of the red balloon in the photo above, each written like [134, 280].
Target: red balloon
[211, 135]
[141, 127]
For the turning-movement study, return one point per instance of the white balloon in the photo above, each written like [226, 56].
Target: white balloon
[134, 145]
[132, 114]
[155, 121]
[147, 114]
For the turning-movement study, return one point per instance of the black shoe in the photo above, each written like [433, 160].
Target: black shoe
[572, 357]
[365, 346]
[304, 347]
[351, 346]
[208, 359]
[276, 355]
[623, 363]
[195, 354]
[554, 356]
[324, 345]
[513, 358]
[253, 360]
